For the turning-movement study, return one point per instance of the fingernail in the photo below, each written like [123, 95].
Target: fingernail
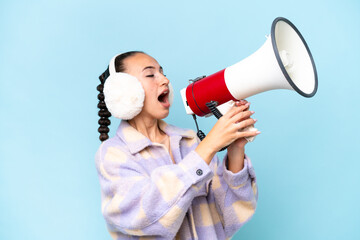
[247, 104]
[258, 132]
[252, 112]
[255, 120]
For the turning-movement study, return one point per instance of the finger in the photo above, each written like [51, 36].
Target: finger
[244, 102]
[236, 110]
[247, 109]
[241, 116]
[247, 134]
[246, 123]
[241, 102]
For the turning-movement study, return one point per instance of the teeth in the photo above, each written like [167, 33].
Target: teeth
[164, 93]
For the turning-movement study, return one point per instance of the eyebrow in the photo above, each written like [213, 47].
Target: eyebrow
[152, 67]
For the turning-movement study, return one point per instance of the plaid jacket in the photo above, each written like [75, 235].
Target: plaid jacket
[146, 196]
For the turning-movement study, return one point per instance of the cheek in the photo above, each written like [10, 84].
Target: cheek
[150, 90]
[150, 93]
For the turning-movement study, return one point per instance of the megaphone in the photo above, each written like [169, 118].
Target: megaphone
[283, 62]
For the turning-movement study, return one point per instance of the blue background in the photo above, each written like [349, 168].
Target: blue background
[52, 52]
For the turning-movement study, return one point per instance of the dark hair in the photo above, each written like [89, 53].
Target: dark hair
[104, 113]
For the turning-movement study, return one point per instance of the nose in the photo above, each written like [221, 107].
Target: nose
[164, 80]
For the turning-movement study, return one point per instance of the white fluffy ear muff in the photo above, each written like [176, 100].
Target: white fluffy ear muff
[124, 94]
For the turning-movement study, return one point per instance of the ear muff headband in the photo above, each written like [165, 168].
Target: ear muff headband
[112, 65]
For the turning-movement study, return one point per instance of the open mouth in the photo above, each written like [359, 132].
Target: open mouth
[163, 98]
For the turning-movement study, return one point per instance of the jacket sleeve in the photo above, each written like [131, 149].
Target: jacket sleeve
[140, 204]
[235, 195]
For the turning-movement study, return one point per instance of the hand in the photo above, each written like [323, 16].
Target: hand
[236, 150]
[226, 131]
[228, 127]
[241, 142]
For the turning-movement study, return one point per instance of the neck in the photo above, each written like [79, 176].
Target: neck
[148, 127]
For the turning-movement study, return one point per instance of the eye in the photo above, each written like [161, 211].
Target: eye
[151, 75]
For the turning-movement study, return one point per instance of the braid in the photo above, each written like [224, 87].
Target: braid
[104, 113]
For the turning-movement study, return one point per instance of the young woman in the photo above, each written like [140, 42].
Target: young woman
[159, 181]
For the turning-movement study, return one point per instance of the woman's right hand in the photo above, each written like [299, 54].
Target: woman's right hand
[226, 131]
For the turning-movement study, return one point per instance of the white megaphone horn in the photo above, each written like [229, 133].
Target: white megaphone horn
[283, 62]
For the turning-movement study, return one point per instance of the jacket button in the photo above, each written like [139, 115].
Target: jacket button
[199, 172]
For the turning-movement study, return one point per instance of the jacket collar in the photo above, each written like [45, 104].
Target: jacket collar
[136, 141]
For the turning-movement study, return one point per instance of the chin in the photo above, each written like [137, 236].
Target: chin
[162, 115]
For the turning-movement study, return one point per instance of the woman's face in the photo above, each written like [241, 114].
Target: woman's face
[155, 84]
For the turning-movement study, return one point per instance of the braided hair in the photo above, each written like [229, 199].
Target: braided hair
[104, 113]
